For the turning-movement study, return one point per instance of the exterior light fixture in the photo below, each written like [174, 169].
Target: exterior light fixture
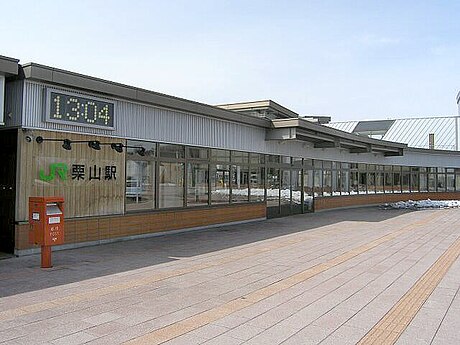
[67, 144]
[117, 147]
[141, 151]
[94, 144]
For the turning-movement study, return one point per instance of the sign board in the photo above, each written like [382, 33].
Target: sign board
[2, 99]
[70, 108]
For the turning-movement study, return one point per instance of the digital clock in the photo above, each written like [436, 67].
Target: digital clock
[63, 107]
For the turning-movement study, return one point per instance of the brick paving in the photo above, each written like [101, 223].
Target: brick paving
[338, 277]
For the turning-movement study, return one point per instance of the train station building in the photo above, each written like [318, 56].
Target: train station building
[132, 163]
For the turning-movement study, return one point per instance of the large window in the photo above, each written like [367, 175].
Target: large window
[273, 187]
[362, 179]
[317, 178]
[296, 190]
[240, 183]
[140, 176]
[171, 185]
[423, 184]
[163, 175]
[432, 179]
[396, 179]
[257, 184]
[197, 184]
[220, 183]
[344, 181]
[171, 151]
[414, 179]
[285, 187]
[379, 179]
[140, 185]
[354, 181]
[441, 183]
[450, 180]
[388, 176]
[308, 185]
[405, 179]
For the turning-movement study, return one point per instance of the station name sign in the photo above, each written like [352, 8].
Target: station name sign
[74, 109]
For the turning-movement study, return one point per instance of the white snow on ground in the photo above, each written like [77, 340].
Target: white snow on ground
[421, 204]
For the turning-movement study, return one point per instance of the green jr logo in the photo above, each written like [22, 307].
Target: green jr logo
[55, 168]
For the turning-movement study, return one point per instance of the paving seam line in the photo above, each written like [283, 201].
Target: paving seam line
[371, 282]
[24, 310]
[201, 319]
[395, 321]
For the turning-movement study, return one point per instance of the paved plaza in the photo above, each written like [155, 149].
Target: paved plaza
[365, 275]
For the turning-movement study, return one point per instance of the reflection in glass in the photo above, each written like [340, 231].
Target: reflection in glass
[371, 183]
[220, 184]
[273, 187]
[405, 182]
[423, 182]
[344, 182]
[327, 182]
[171, 185]
[240, 183]
[450, 182]
[362, 182]
[172, 151]
[397, 181]
[256, 184]
[441, 182]
[308, 189]
[285, 187]
[140, 185]
[317, 182]
[197, 184]
[379, 182]
[432, 182]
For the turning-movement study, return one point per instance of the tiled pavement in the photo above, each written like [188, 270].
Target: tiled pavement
[339, 277]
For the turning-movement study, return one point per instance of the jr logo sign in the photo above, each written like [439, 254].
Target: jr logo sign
[59, 169]
[79, 172]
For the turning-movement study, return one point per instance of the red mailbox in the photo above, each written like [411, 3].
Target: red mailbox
[46, 219]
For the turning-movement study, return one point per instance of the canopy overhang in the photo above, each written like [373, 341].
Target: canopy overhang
[329, 138]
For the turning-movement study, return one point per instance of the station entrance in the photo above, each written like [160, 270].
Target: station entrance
[8, 160]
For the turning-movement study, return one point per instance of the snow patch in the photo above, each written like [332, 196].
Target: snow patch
[422, 204]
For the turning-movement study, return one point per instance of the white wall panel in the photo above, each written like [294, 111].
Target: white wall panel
[146, 122]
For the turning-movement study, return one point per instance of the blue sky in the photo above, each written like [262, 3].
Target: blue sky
[348, 59]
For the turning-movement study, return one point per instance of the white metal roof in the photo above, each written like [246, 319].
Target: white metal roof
[415, 131]
[346, 126]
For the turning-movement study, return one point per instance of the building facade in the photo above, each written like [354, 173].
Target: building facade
[132, 163]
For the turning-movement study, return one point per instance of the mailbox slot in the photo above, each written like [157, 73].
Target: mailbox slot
[53, 213]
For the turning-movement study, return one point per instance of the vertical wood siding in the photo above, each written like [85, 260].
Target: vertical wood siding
[82, 197]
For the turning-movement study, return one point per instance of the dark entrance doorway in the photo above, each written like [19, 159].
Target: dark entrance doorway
[8, 154]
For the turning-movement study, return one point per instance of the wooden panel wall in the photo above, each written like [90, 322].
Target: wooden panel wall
[373, 199]
[82, 197]
[101, 228]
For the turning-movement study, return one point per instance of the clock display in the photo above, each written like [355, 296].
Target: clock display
[77, 110]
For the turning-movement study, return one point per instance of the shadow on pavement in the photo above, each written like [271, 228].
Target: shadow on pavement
[23, 274]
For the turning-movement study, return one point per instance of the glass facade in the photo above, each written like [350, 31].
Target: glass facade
[177, 176]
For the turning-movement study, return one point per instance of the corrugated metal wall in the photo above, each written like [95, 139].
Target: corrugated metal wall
[139, 121]
[145, 122]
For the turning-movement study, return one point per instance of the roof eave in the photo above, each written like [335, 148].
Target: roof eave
[52, 75]
[326, 137]
[8, 66]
